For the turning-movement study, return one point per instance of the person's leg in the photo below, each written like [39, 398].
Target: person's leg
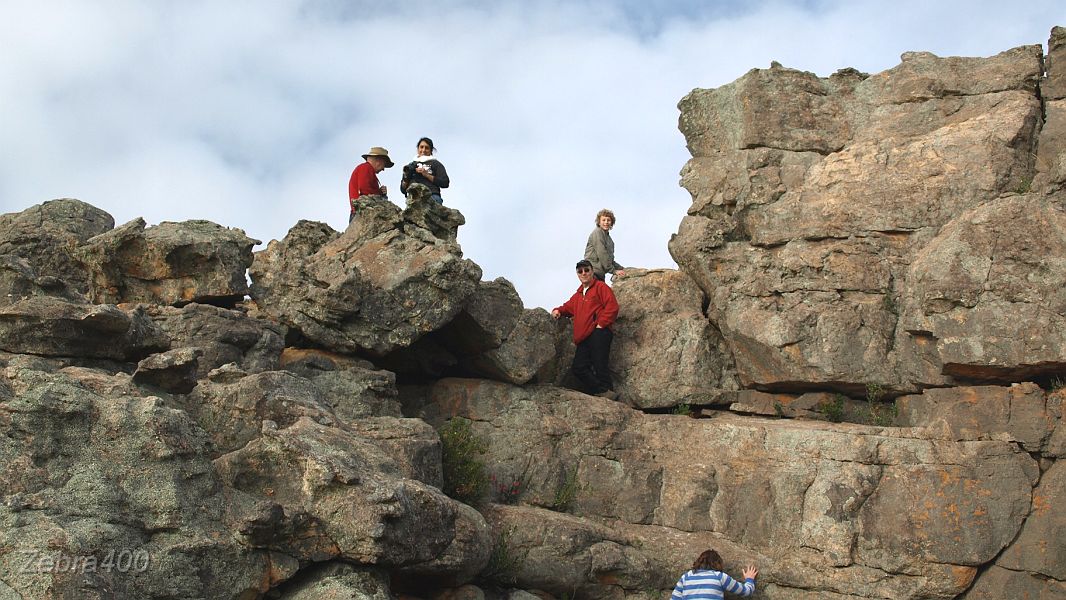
[351, 218]
[582, 367]
[601, 356]
[436, 198]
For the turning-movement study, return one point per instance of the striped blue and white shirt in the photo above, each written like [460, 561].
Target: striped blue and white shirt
[710, 585]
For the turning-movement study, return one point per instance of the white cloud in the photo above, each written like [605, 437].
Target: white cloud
[253, 114]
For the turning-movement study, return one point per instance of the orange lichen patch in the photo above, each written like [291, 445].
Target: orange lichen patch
[1041, 504]
[962, 576]
[948, 477]
[291, 355]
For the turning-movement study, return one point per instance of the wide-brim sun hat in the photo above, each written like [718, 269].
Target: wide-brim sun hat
[382, 152]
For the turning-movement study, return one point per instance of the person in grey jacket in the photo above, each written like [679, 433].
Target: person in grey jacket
[599, 250]
[427, 170]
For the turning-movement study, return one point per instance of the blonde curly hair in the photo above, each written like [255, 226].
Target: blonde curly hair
[605, 213]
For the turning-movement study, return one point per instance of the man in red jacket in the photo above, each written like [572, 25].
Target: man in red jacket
[593, 309]
[364, 180]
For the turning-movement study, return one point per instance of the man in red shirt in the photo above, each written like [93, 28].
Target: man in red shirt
[593, 309]
[364, 181]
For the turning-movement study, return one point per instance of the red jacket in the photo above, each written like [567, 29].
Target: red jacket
[596, 307]
[364, 182]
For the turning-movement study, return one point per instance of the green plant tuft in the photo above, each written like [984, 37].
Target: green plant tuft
[504, 560]
[877, 412]
[567, 492]
[464, 472]
[683, 409]
[1024, 186]
[833, 410]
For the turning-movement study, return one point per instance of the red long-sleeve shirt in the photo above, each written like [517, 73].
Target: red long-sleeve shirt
[364, 181]
[597, 306]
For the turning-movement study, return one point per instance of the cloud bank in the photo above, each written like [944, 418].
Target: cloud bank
[253, 114]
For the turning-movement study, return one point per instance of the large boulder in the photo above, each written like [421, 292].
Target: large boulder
[19, 281]
[665, 351]
[222, 336]
[47, 235]
[985, 299]
[529, 347]
[51, 326]
[805, 227]
[485, 321]
[323, 493]
[351, 387]
[1022, 411]
[852, 509]
[170, 263]
[95, 471]
[381, 285]
[492, 336]
[106, 494]
[1054, 88]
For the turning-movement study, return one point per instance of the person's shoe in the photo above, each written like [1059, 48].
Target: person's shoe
[609, 394]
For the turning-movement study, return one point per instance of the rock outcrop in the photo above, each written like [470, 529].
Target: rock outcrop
[171, 263]
[856, 380]
[823, 236]
[379, 286]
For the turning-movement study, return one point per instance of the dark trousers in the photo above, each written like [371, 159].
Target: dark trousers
[601, 276]
[590, 361]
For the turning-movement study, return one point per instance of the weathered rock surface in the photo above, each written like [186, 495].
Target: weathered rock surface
[52, 326]
[338, 581]
[351, 387]
[665, 351]
[222, 336]
[380, 285]
[1055, 86]
[46, 235]
[170, 263]
[987, 296]
[19, 281]
[806, 229]
[1023, 412]
[173, 371]
[860, 510]
[88, 476]
[493, 336]
[325, 493]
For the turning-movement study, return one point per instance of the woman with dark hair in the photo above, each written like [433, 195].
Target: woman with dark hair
[427, 170]
[707, 580]
[599, 250]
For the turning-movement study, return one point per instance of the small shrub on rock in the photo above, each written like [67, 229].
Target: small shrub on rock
[464, 472]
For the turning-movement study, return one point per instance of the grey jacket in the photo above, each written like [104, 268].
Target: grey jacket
[600, 252]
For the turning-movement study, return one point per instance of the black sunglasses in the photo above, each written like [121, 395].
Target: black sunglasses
[584, 270]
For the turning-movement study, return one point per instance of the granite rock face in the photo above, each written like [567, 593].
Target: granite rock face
[46, 235]
[859, 510]
[666, 352]
[170, 263]
[862, 352]
[808, 231]
[52, 326]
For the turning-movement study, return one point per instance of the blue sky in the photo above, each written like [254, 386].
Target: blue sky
[253, 114]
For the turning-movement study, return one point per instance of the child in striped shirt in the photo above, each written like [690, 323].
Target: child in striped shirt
[707, 581]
